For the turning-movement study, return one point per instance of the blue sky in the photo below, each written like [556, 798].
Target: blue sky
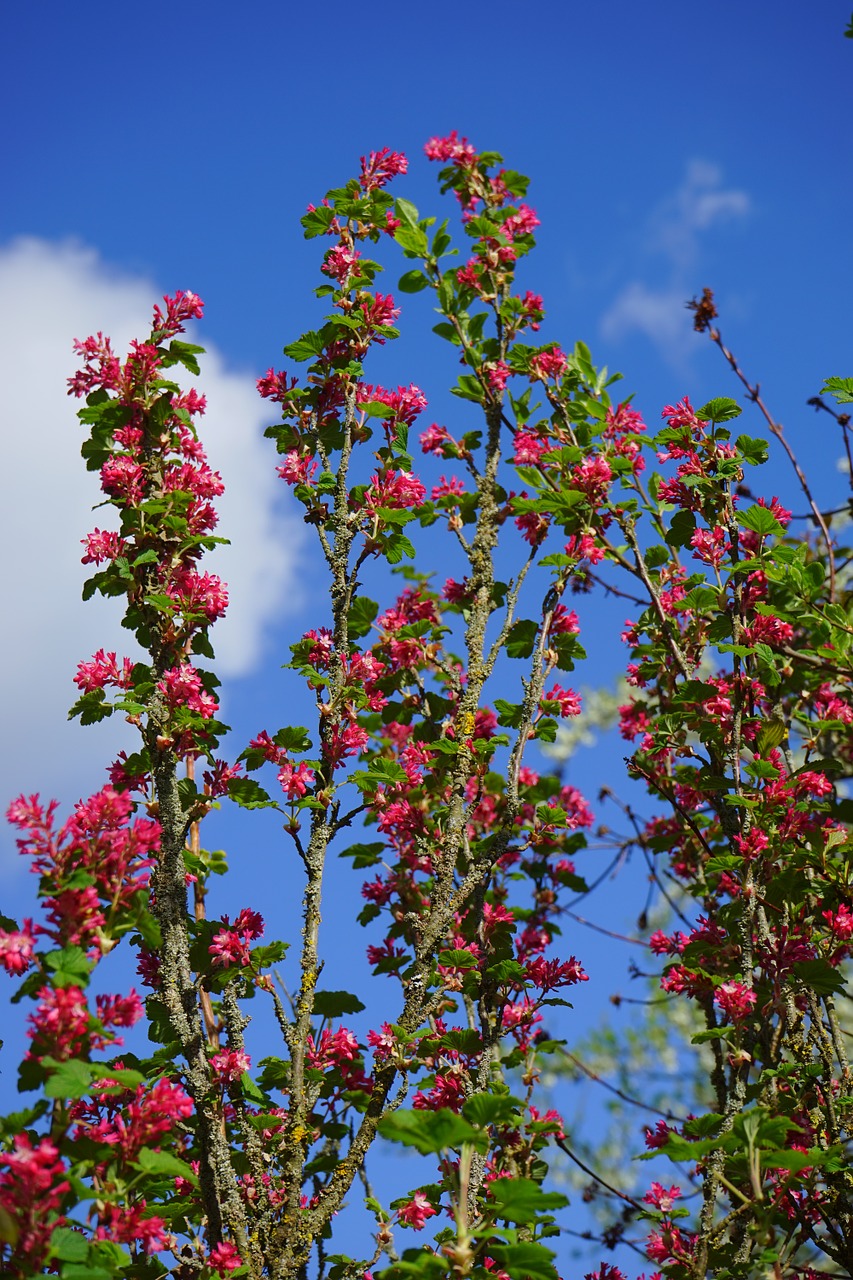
[670, 146]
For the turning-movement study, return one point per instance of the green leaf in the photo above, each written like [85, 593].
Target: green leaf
[305, 348]
[124, 1077]
[185, 353]
[406, 212]
[68, 1245]
[165, 1162]
[334, 1004]
[362, 615]
[721, 409]
[815, 573]
[386, 771]
[412, 282]
[771, 734]
[546, 730]
[71, 1079]
[457, 958]
[83, 1271]
[493, 1108]
[509, 713]
[430, 1132]
[521, 638]
[412, 241]
[761, 520]
[523, 1200]
[754, 450]
[506, 971]
[70, 966]
[820, 976]
[656, 556]
[364, 855]
[293, 738]
[525, 1261]
[681, 529]
[397, 546]
[840, 388]
[249, 794]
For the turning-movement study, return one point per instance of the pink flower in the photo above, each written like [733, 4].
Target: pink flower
[120, 1011]
[661, 1198]
[532, 524]
[710, 546]
[102, 367]
[123, 479]
[102, 545]
[182, 687]
[548, 364]
[564, 622]
[533, 308]
[380, 313]
[295, 779]
[196, 593]
[661, 945]
[32, 1188]
[340, 263]
[434, 439]
[497, 374]
[180, 307]
[528, 449]
[394, 489]
[735, 1000]
[381, 167]
[335, 1049]
[342, 743]
[383, 1043]
[659, 1136]
[16, 948]
[668, 1244]
[249, 923]
[767, 629]
[60, 1024]
[452, 488]
[682, 415]
[275, 386]
[470, 274]
[224, 1257]
[231, 944]
[567, 700]
[520, 223]
[102, 671]
[548, 975]
[132, 1225]
[217, 778]
[407, 402]
[584, 547]
[229, 1064]
[781, 513]
[454, 148]
[416, 1211]
[840, 922]
[551, 1118]
[456, 592]
[448, 1091]
[593, 475]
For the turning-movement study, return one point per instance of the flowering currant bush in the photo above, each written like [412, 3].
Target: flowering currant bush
[421, 769]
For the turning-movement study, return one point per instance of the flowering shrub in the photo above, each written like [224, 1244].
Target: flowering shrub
[196, 1162]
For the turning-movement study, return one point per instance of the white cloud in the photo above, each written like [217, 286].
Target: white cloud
[51, 294]
[674, 230]
[658, 313]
